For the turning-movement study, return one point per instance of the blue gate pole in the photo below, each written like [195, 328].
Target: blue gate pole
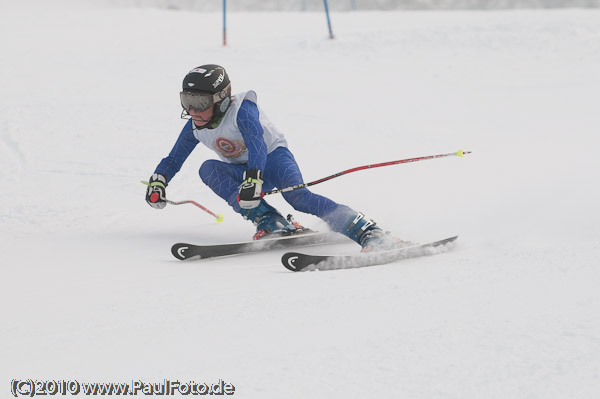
[353, 4]
[224, 23]
[328, 20]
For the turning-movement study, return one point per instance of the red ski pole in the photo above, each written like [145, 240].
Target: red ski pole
[460, 153]
[219, 216]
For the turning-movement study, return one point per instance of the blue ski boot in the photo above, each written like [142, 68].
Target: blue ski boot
[369, 236]
[268, 221]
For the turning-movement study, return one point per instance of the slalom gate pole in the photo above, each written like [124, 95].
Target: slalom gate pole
[219, 216]
[460, 153]
[224, 23]
[328, 19]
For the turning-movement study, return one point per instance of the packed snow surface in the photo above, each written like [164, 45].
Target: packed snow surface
[90, 291]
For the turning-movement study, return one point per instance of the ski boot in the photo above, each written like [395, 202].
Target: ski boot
[370, 237]
[268, 221]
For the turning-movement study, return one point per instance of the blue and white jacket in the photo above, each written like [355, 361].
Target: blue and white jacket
[244, 136]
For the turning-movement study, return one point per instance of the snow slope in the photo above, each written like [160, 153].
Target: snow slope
[89, 106]
[347, 5]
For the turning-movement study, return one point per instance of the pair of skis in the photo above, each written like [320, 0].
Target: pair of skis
[298, 261]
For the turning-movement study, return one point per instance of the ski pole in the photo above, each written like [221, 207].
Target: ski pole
[460, 153]
[219, 216]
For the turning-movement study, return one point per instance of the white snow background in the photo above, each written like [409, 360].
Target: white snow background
[90, 292]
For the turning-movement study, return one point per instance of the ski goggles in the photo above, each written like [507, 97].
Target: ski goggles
[201, 101]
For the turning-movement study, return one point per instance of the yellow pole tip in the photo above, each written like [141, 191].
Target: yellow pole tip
[220, 218]
[460, 153]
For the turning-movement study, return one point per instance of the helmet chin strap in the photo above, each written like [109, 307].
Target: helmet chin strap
[186, 115]
[196, 119]
[211, 123]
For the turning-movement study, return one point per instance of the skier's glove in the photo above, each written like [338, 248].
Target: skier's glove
[251, 189]
[156, 195]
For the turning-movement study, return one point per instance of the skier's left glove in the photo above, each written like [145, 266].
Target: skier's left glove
[156, 195]
[251, 189]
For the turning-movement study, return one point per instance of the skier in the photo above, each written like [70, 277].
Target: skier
[254, 158]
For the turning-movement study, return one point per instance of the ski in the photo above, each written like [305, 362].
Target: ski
[183, 251]
[297, 262]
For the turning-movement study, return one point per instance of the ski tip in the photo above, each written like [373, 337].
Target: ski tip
[289, 261]
[179, 251]
[220, 218]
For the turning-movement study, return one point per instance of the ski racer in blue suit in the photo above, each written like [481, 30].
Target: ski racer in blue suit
[254, 158]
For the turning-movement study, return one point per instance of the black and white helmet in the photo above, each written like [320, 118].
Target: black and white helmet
[204, 87]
